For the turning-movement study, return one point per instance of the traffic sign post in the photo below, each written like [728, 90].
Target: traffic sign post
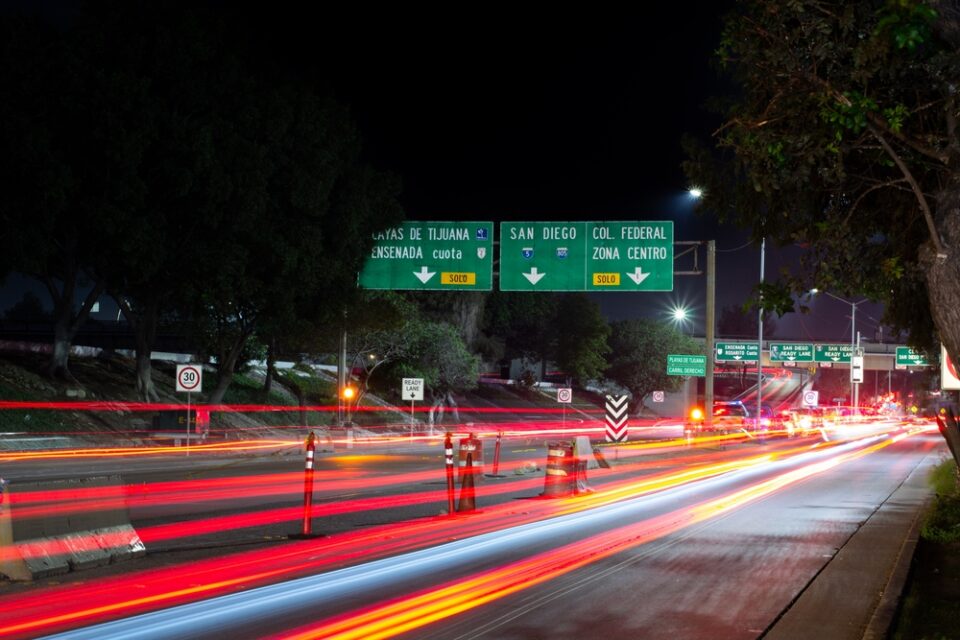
[832, 353]
[189, 380]
[564, 397]
[686, 365]
[738, 352]
[616, 415]
[909, 358]
[791, 352]
[412, 390]
[586, 256]
[438, 256]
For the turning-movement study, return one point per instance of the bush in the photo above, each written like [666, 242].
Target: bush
[942, 523]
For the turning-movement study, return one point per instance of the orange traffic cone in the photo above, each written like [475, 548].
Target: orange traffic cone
[467, 491]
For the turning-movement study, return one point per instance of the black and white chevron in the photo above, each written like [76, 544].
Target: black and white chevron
[616, 407]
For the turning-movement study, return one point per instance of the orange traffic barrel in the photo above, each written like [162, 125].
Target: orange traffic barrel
[561, 477]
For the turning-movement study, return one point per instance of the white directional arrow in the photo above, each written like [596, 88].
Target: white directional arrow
[534, 276]
[423, 275]
[638, 275]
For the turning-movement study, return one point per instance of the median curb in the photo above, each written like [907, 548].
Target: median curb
[856, 595]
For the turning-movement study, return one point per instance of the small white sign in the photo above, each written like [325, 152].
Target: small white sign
[856, 364]
[811, 398]
[189, 378]
[658, 396]
[564, 396]
[412, 389]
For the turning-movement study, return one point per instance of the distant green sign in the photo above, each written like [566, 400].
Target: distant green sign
[909, 358]
[832, 353]
[444, 256]
[586, 256]
[686, 365]
[738, 352]
[791, 352]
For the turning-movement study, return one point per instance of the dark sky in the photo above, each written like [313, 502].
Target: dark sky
[490, 112]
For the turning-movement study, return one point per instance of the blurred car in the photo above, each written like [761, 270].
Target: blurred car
[731, 415]
[802, 421]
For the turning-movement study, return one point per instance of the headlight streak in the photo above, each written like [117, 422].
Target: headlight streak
[404, 614]
[244, 570]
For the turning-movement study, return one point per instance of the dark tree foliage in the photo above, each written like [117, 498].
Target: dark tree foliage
[638, 360]
[737, 322]
[843, 138]
[158, 152]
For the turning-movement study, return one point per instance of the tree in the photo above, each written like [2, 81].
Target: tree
[29, 309]
[639, 361]
[844, 137]
[581, 337]
[525, 322]
[436, 352]
[68, 183]
[737, 322]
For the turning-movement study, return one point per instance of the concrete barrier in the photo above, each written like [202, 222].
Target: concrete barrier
[42, 534]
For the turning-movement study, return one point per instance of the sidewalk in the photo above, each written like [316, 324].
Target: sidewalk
[855, 596]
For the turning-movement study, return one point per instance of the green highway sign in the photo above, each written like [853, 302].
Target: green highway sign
[832, 353]
[440, 256]
[791, 352]
[909, 358]
[686, 365]
[586, 256]
[737, 352]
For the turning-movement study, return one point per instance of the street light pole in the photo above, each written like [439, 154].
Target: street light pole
[763, 255]
[854, 344]
[709, 333]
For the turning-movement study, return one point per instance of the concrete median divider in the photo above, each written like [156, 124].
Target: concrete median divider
[52, 527]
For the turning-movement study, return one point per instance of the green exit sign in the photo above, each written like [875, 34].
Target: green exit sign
[791, 352]
[686, 365]
[738, 352]
[907, 357]
[833, 353]
[444, 256]
[586, 256]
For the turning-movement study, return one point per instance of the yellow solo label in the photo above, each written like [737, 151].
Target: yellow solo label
[452, 277]
[606, 279]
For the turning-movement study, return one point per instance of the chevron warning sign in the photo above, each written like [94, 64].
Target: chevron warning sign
[616, 407]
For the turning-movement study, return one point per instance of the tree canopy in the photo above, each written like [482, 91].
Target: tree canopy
[842, 136]
[639, 355]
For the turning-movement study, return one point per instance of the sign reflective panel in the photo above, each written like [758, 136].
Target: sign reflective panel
[738, 352]
[440, 256]
[910, 358]
[791, 352]
[586, 256]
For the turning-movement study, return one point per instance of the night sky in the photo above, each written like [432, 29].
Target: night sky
[488, 113]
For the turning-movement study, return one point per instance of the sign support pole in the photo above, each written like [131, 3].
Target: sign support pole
[188, 422]
[709, 333]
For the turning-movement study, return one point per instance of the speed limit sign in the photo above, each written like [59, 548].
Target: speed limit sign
[564, 395]
[189, 378]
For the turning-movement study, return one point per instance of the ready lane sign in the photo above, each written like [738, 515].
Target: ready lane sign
[616, 414]
[832, 353]
[412, 389]
[686, 365]
[738, 352]
[909, 358]
[791, 352]
[439, 256]
[586, 256]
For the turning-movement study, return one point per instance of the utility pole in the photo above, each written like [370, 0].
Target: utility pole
[763, 255]
[709, 336]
